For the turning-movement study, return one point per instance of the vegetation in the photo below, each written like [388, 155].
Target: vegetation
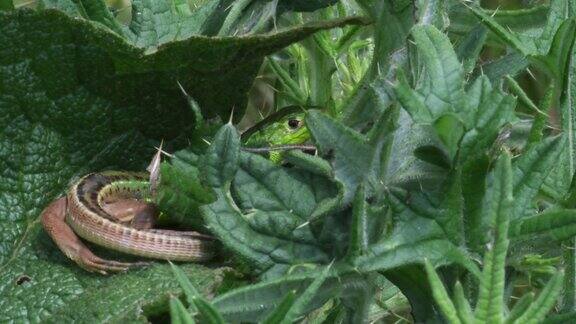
[442, 189]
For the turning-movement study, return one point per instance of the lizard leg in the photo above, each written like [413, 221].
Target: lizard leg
[53, 220]
[134, 213]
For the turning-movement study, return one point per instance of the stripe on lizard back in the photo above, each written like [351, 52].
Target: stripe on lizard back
[93, 189]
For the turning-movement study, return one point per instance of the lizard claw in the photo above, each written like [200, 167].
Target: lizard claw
[89, 261]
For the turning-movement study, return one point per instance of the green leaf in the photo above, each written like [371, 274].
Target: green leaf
[359, 229]
[97, 11]
[182, 189]
[413, 283]
[392, 26]
[440, 88]
[520, 307]
[515, 88]
[189, 290]
[381, 137]
[287, 82]
[438, 251]
[491, 110]
[352, 154]
[451, 210]
[197, 302]
[222, 157]
[450, 131]
[555, 224]
[441, 295]
[279, 313]
[468, 49]
[560, 318]
[510, 64]
[302, 302]
[506, 35]
[412, 101]
[265, 220]
[416, 235]
[178, 313]
[530, 171]
[545, 301]
[556, 61]
[490, 305]
[255, 302]
[433, 155]
[462, 305]
[305, 5]
[309, 163]
[521, 20]
[208, 313]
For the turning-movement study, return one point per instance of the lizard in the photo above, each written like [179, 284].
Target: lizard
[114, 209]
[111, 209]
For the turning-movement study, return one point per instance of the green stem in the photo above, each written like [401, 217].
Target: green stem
[321, 68]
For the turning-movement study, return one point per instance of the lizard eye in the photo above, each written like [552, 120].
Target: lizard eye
[294, 123]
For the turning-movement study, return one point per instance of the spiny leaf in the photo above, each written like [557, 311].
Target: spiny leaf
[352, 154]
[490, 306]
[279, 313]
[524, 19]
[359, 231]
[491, 109]
[468, 50]
[516, 89]
[189, 289]
[439, 251]
[520, 307]
[254, 302]
[556, 61]
[441, 90]
[441, 295]
[553, 224]
[178, 313]
[545, 301]
[222, 156]
[208, 312]
[508, 36]
[530, 171]
[197, 302]
[182, 189]
[302, 302]
[265, 220]
[462, 305]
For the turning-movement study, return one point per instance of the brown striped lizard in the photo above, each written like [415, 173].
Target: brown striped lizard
[110, 209]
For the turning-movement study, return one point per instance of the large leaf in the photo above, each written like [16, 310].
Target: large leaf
[264, 220]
